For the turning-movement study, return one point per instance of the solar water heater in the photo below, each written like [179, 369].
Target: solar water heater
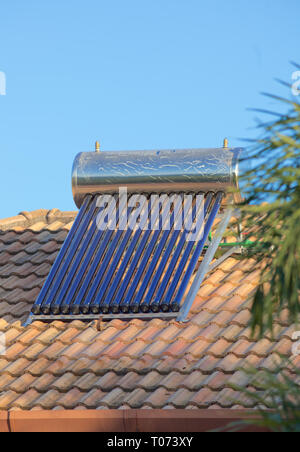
[141, 244]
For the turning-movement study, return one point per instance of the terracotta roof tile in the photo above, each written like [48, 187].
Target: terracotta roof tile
[230, 363]
[86, 336]
[78, 367]
[107, 382]
[112, 399]
[48, 400]
[171, 382]
[92, 399]
[239, 378]
[231, 333]
[135, 398]
[37, 367]
[203, 318]
[193, 381]
[42, 383]
[14, 351]
[48, 336]
[156, 399]
[70, 399]
[11, 335]
[32, 352]
[27, 398]
[7, 398]
[129, 381]
[66, 336]
[136, 364]
[54, 351]
[87, 381]
[58, 366]
[16, 368]
[204, 398]
[181, 398]
[210, 333]
[6, 381]
[220, 348]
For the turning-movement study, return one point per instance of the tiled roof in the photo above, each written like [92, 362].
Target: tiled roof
[136, 364]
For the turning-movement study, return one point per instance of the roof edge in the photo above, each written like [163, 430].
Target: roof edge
[26, 219]
[123, 420]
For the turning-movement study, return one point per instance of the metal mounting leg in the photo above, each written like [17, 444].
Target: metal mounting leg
[28, 321]
[204, 267]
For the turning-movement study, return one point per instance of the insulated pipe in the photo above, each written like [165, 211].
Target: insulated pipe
[176, 171]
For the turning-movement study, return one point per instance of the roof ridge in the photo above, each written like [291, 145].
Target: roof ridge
[28, 218]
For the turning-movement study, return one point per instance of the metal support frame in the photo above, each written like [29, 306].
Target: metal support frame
[204, 267]
[230, 252]
[104, 317]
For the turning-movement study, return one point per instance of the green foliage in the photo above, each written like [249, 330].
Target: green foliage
[271, 212]
[277, 395]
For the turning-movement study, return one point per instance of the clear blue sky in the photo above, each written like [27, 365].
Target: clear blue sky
[135, 74]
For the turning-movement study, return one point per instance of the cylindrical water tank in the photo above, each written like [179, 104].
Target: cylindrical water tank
[188, 170]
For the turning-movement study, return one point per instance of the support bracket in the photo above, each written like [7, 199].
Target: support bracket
[205, 265]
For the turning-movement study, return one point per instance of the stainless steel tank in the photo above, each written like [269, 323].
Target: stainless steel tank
[188, 170]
